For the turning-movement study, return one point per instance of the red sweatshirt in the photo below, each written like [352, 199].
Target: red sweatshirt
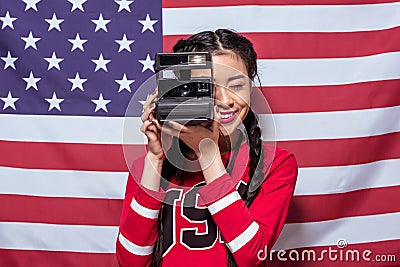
[204, 219]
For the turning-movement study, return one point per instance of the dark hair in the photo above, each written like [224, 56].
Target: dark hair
[221, 42]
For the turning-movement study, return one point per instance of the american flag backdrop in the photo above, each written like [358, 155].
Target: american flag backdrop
[330, 70]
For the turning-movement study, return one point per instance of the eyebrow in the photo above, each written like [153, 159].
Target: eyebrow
[239, 76]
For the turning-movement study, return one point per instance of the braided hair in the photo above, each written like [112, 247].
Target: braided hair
[221, 42]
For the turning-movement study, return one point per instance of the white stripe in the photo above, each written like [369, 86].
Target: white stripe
[52, 237]
[362, 229]
[333, 125]
[341, 179]
[63, 183]
[244, 237]
[332, 71]
[71, 129]
[143, 211]
[110, 185]
[101, 239]
[224, 202]
[290, 126]
[311, 18]
[133, 248]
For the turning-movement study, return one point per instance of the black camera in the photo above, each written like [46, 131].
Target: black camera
[185, 87]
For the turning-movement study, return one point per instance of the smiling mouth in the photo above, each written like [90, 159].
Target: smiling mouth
[227, 115]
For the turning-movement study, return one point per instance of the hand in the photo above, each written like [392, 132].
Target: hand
[152, 129]
[202, 138]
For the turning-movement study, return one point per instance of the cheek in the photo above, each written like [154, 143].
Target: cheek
[243, 100]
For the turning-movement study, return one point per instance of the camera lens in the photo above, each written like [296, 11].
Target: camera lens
[185, 90]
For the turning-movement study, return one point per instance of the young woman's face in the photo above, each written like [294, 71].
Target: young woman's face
[232, 91]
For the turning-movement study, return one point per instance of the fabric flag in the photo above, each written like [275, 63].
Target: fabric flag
[330, 71]
[68, 69]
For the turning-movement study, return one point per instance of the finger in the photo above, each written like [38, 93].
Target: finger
[177, 126]
[217, 117]
[151, 112]
[150, 98]
[148, 113]
[170, 131]
[157, 124]
[217, 114]
[144, 126]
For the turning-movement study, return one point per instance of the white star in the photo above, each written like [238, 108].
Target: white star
[124, 4]
[77, 4]
[7, 21]
[54, 23]
[77, 82]
[53, 61]
[101, 63]
[148, 23]
[101, 23]
[77, 43]
[147, 63]
[9, 101]
[124, 43]
[9, 61]
[31, 4]
[124, 84]
[54, 102]
[30, 41]
[101, 103]
[31, 81]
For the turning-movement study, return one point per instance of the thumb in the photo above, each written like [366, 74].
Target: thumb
[217, 118]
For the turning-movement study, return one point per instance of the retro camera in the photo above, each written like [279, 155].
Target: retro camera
[185, 87]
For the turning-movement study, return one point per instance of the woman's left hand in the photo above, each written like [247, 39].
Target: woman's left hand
[202, 138]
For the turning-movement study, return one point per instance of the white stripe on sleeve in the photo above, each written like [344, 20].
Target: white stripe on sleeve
[224, 202]
[244, 237]
[143, 211]
[133, 248]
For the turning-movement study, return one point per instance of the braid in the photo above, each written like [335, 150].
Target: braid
[158, 247]
[256, 155]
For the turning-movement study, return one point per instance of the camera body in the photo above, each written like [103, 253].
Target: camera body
[185, 87]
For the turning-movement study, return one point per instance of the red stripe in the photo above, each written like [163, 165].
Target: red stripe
[292, 99]
[309, 153]
[346, 151]
[106, 212]
[33, 258]
[280, 45]
[64, 156]
[391, 247]
[355, 203]
[60, 210]
[215, 3]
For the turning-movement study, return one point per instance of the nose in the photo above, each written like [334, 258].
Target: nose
[223, 96]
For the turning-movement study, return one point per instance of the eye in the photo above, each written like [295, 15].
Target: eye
[236, 86]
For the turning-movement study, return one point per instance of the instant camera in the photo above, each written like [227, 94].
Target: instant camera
[185, 87]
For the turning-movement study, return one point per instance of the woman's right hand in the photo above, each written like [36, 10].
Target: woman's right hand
[150, 128]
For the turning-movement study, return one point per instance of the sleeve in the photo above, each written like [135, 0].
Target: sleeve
[138, 226]
[258, 227]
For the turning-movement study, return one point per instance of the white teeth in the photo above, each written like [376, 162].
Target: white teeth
[225, 116]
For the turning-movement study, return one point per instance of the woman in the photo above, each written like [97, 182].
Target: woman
[220, 215]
